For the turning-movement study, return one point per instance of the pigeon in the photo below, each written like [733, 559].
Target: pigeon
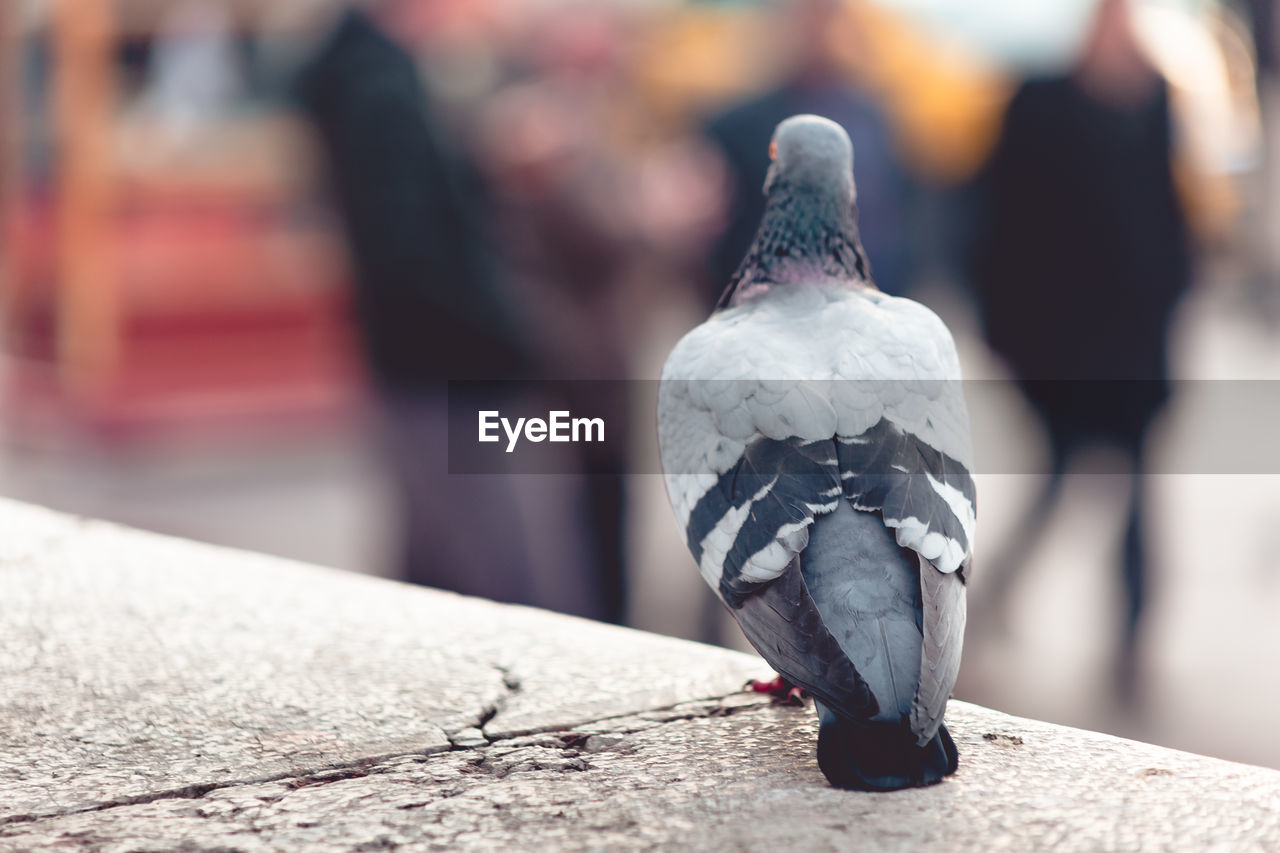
[816, 450]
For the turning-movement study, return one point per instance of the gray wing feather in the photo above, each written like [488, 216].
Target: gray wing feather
[782, 622]
[943, 604]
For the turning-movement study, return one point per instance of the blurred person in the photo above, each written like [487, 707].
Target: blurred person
[432, 307]
[1081, 253]
[570, 241]
[814, 82]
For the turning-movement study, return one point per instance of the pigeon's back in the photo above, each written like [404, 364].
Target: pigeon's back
[816, 449]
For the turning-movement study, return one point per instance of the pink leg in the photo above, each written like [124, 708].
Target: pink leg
[780, 689]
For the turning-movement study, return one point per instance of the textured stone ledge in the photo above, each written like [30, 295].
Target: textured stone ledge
[157, 695]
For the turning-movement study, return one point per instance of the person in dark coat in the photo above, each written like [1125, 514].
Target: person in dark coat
[427, 297]
[1081, 253]
[431, 308]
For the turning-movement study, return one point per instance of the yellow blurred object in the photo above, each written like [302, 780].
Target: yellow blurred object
[946, 104]
[694, 57]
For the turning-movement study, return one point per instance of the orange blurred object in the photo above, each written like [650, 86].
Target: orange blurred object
[945, 102]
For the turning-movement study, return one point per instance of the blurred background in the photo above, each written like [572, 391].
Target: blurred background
[244, 245]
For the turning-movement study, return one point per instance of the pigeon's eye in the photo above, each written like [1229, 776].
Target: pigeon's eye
[773, 150]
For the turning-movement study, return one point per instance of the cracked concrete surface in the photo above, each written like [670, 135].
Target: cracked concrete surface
[162, 695]
[132, 663]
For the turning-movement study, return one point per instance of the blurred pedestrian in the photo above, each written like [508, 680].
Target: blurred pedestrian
[1081, 253]
[559, 177]
[432, 307]
[814, 82]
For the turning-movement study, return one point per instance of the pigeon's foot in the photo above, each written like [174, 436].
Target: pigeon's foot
[780, 689]
[877, 756]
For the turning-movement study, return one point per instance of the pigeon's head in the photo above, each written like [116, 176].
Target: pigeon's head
[809, 231]
[811, 154]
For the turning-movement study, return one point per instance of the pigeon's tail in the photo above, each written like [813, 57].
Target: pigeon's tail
[876, 756]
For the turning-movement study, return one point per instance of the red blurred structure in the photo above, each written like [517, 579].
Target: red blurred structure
[158, 298]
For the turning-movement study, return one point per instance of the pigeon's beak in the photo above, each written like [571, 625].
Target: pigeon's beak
[773, 150]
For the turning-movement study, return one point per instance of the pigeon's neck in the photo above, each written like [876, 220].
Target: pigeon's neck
[804, 238]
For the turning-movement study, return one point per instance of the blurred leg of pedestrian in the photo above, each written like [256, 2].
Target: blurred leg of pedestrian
[461, 532]
[1134, 575]
[503, 535]
[999, 575]
[606, 498]
[433, 306]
